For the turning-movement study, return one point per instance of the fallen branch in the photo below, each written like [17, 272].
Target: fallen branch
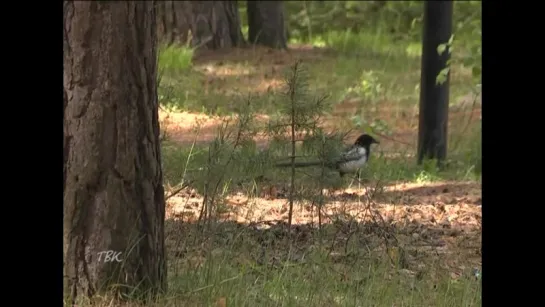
[185, 185]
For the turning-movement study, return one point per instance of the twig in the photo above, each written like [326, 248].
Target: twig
[185, 185]
[392, 139]
[292, 89]
[268, 222]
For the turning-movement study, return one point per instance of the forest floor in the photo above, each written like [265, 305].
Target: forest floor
[433, 225]
[260, 71]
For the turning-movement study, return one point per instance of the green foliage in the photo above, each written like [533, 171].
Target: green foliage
[299, 113]
[400, 19]
[175, 58]
[175, 87]
[309, 18]
[465, 152]
[348, 25]
[297, 105]
[370, 87]
[442, 48]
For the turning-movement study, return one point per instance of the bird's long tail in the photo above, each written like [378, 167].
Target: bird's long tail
[300, 164]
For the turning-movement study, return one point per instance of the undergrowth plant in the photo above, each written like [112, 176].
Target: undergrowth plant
[299, 113]
[225, 158]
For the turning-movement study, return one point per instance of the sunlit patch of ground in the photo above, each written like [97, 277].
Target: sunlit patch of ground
[263, 55]
[180, 127]
[230, 70]
[433, 203]
[261, 70]
[440, 220]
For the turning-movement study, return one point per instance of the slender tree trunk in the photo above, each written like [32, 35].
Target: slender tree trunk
[266, 24]
[113, 192]
[433, 122]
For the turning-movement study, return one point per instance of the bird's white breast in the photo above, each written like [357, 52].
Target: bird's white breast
[353, 165]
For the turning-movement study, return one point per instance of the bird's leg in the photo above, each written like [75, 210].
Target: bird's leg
[359, 186]
[352, 181]
[359, 179]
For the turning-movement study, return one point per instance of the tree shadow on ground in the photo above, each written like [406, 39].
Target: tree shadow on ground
[415, 242]
[417, 194]
[432, 212]
[343, 241]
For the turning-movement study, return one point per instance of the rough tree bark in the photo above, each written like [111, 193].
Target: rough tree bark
[213, 24]
[113, 192]
[174, 21]
[217, 24]
[266, 24]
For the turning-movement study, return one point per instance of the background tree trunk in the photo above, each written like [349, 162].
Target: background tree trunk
[212, 24]
[113, 191]
[266, 24]
[434, 98]
[175, 21]
[217, 24]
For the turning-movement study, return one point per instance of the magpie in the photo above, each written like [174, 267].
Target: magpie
[350, 161]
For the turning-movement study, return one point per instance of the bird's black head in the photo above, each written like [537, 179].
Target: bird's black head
[366, 140]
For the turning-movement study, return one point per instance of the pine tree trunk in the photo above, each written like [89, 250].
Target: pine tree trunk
[213, 24]
[175, 21]
[266, 24]
[113, 192]
[217, 24]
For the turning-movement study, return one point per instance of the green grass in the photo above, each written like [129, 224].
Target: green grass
[251, 267]
[392, 66]
[312, 278]
[175, 58]
[464, 164]
[363, 43]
